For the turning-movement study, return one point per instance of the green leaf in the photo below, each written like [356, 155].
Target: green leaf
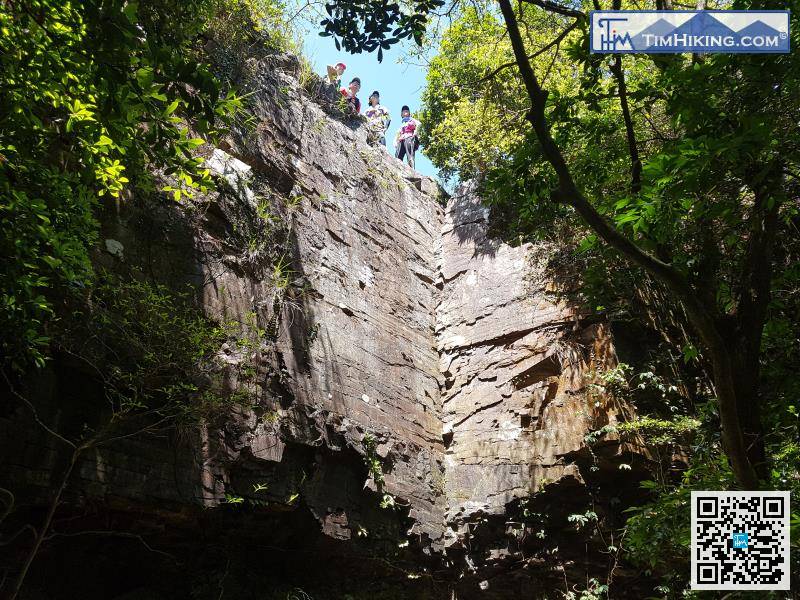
[171, 108]
[144, 77]
[130, 10]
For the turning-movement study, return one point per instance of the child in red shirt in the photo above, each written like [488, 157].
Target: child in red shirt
[353, 103]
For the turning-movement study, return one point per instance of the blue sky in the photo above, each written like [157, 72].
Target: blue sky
[397, 83]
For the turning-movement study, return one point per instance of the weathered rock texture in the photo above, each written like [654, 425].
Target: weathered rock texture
[396, 319]
[515, 362]
[356, 343]
[519, 364]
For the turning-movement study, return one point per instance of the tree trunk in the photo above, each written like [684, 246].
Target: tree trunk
[20, 580]
[729, 402]
[747, 373]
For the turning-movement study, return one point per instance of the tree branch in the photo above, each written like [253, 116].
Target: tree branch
[630, 133]
[555, 7]
[19, 532]
[48, 519]
[568, 193]
[555, 42]
[36, 418]
[124, 534]
[754, 286]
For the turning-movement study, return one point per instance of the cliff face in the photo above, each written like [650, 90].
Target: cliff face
[403, 334]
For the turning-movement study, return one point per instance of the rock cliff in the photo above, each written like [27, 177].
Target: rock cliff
[404, 335]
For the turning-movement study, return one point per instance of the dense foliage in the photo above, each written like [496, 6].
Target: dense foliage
[102, 101]
[154, 352]
[358, 27]
[95, 96]
[472, 108]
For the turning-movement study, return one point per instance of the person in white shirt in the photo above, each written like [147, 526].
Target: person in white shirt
[378, 120]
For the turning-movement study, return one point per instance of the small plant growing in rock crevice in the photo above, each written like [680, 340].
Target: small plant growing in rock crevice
[582, 519]
[438, 481]
[375, 469]
[594, 591]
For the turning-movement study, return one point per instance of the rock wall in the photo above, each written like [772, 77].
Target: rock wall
[398, 319]
[356, 343]
[519, 364]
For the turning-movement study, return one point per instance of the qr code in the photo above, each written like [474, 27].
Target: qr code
[740, 541]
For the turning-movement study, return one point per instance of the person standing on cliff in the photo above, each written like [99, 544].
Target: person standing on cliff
[406, 141]
[349, 93]
[378, 120]
[335, 73]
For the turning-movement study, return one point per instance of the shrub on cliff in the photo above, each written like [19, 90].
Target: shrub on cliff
[93, 97]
